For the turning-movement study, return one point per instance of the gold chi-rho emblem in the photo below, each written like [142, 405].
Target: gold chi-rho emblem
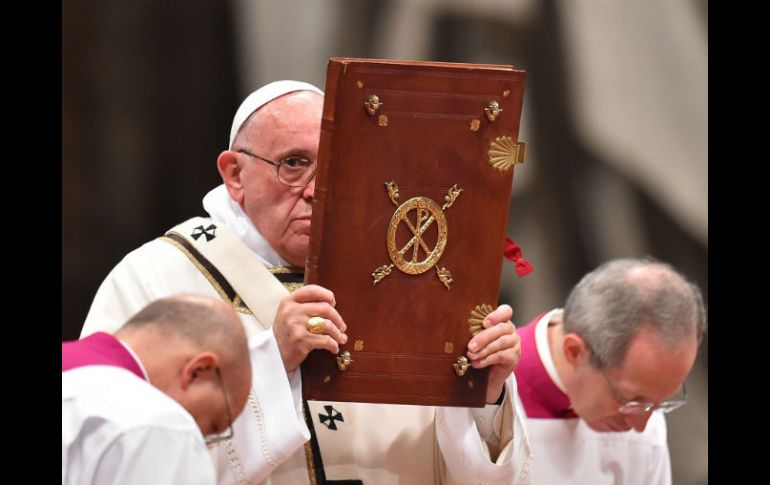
[418, 214]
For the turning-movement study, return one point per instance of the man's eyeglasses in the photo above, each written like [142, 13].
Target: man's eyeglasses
[294, 171]
[638, 407]
[212, 439]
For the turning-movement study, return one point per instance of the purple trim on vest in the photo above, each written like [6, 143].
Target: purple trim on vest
[539, 395]
[98, 349]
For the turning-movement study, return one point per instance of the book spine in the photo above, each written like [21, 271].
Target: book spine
[334, 77]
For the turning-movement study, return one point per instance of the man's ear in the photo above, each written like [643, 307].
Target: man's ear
[230, 171]
[575, 349]
[204, 362]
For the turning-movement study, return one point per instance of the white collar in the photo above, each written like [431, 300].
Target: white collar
[136, 358]
[544, 349]
[223, 209]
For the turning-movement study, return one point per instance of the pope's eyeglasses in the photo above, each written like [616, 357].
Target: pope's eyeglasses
[293, 171]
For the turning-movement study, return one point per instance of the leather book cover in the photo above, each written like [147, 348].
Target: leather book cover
[414, 177]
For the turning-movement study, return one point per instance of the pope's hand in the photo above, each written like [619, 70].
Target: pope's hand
[292, 331]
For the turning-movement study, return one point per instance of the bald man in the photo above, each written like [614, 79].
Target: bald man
[137, 405]
[597, 377]
[251, 252]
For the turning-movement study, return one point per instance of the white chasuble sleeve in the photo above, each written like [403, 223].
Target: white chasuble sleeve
[271, 427]
[466, 455]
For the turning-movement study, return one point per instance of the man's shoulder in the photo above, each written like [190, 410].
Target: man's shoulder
[165, 249]
[196, 227]
[159, 268]
[120, 400]
[159, 254]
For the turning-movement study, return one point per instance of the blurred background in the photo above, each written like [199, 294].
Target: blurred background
[615, 115]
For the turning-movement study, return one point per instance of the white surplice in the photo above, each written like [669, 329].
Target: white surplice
[117, 428]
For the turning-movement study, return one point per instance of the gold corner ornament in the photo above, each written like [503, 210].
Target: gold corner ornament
[344, 360]
[381, 272]
[426, 212]
[392, 189]
[451, 196]
[504, 153]
[493, 110]
[444, 275]
[475, 124]
[372, 104]
[477, 316]
[461, 366]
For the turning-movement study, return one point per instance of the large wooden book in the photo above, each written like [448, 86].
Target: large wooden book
[409, 220]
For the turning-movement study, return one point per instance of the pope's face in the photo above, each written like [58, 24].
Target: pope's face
[289, 125]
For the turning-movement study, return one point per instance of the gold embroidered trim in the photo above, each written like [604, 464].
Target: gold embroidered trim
[285, 270]
[292, 287]
[236, 302]
[309, 456]
[240, 306]
[310, 465]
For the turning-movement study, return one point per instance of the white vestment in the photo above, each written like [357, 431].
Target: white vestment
[378, 444]
[567, 451]
[118, 428]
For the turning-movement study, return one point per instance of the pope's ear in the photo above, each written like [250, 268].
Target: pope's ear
[198, 367]
[230, 167]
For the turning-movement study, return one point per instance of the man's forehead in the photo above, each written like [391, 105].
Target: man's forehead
[288, 123]
[652, 368]
[263, 96]
[297, 102]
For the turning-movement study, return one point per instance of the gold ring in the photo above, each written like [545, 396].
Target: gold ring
[316, 325]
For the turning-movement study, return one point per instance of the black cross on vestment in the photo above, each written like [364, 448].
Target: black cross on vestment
[208, 232]
[331, 417]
